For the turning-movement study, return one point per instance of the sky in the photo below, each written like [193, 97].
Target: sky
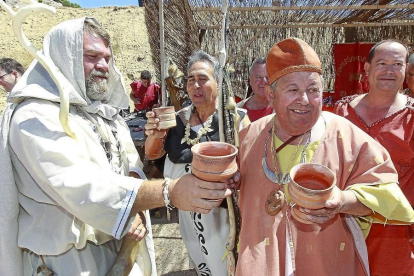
[103, 3]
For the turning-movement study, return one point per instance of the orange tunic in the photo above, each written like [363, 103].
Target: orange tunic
[390, 251]
[336, 247]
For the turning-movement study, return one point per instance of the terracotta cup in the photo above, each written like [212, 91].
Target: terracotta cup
[310, 187]
[214, 161]
[166, 115]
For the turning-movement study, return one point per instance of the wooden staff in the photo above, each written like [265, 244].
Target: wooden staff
[225, 101]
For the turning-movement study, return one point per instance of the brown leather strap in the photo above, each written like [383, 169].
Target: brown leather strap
[286, 143]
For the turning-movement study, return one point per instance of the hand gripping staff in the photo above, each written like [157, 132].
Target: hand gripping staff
[229, 122]
[129, 249]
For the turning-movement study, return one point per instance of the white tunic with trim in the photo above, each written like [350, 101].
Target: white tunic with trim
[61, 197]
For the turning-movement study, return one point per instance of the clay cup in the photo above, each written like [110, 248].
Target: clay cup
[166, 115]
[214, 161]
[310, 187]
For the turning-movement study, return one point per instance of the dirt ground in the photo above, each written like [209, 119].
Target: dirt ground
[170, 253]
[132, 54]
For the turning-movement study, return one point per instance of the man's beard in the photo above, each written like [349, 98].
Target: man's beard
[97, 90]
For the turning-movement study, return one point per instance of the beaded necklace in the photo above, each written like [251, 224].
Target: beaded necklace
[285, 175]
[104, 139]
[276, 198]
[274, 176]
[200, 133]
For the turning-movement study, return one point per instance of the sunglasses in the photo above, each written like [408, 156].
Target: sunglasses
[2, 76]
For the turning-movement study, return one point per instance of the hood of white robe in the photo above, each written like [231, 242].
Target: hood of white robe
[63, 44]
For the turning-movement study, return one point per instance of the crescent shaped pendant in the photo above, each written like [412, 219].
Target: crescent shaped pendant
[271, 175]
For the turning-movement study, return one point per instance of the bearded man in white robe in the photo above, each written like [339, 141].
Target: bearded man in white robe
[66, 203]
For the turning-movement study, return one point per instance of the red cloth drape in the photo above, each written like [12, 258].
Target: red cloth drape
[350, 76]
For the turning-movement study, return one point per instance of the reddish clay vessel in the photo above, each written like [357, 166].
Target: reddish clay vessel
[166, 115]
[214, 161]
[310, 187]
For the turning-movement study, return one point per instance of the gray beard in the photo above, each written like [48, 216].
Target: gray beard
[97, 90]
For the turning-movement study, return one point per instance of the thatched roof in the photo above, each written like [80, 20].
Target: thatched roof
[254, 26]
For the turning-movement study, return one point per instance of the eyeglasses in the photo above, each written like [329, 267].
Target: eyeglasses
[2, 76]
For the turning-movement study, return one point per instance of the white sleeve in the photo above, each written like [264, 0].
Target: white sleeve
[71, 173]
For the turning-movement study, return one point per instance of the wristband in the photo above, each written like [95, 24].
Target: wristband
[167, 202]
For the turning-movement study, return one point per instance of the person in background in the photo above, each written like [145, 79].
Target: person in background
[10, 73]
[204, 235]
[388, 117]
[145, 94]
[409, 77]
[257, 105]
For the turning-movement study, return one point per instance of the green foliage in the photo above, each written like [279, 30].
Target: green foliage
[66, 3]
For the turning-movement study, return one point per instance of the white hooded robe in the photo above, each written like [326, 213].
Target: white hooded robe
[59, 196]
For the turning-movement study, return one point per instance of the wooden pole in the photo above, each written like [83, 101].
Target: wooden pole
[222, 60]
[231, 242]
[232, 59]
[162, 51]
[306, 8]
[316, 25]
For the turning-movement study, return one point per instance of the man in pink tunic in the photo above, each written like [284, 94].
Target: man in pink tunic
[272, 241]
[388, 117]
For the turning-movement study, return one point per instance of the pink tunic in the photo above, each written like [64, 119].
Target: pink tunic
[338, 247]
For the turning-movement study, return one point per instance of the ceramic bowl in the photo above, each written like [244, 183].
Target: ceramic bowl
[166, 115]
[214, 161]
[310, 187]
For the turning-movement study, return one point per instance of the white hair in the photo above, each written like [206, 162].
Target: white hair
[257, 61]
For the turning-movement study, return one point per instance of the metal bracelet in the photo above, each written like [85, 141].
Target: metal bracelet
[167, 202]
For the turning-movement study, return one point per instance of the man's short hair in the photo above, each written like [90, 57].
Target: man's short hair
[411, 60]
[9, 65]
[201, 56]
[146, 75]
[91, 27]
[373, 49]
[260, 60]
